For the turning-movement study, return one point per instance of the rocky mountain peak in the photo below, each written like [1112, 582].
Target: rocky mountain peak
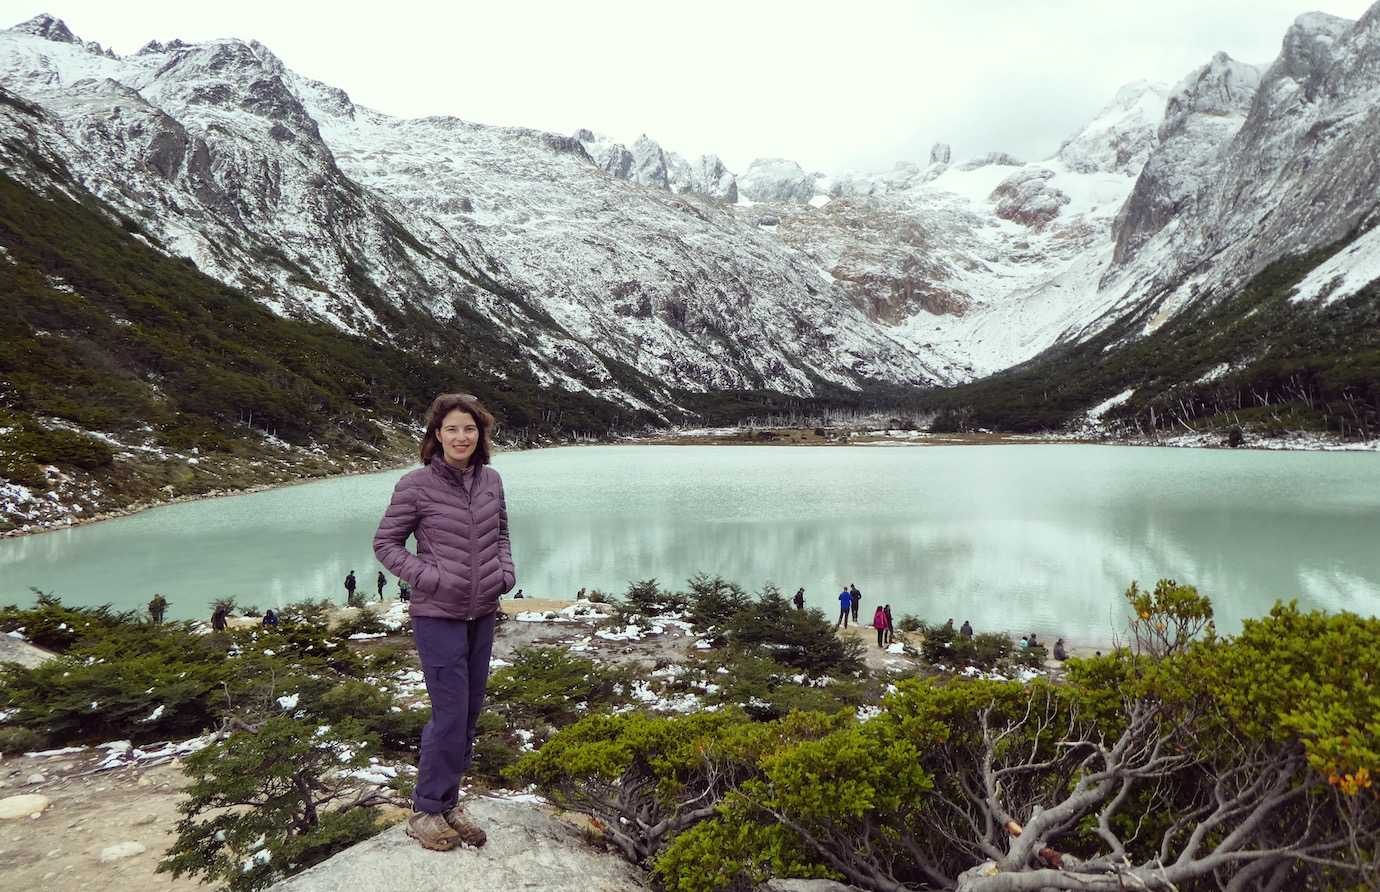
[649, 163]
[1308, 46]
[1222, 87]
[777, 179]
[1122, 135]
[48, 27]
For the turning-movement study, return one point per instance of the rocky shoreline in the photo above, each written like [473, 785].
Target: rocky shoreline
[103, 815]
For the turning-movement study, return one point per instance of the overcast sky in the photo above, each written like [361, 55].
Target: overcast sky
[834, 85]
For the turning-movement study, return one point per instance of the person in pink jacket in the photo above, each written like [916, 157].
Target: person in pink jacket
[879, 623]
[454, 506]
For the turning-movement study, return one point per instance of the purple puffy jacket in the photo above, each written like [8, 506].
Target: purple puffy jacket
[464, 561]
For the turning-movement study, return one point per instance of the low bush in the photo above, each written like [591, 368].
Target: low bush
[365, 622]
[270, 801]
[649, 599]
[767, 690]
[313, 612]
[646, 778]
[55, 626]
[19, 740]
[551, 686]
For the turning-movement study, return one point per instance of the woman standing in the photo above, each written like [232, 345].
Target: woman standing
[454, 506]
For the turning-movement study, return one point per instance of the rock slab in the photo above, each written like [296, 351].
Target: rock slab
[120, 851]
[527, 849]
[22, 806]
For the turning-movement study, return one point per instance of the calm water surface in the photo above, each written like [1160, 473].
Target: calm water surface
[1025, 537]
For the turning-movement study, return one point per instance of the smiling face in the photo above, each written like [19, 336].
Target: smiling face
[458, 434]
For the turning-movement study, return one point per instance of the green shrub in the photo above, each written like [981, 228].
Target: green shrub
[311, 612]
[494, 748]
[938, 644]
[138, 681]
[670, 773]
[365, 621]
[648, 599]
[56, 447]
[547, 684]
[20, 740]
[985, 650]
[768, 690]
[712, 601]
[910, 623]
[276, 790]
[53, 625]
[803, 639]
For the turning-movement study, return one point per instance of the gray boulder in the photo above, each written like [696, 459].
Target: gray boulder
[527, 849]
[777, 179]
[1026, 196]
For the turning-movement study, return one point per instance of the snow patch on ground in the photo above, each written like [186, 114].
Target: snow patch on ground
[1107, 405]
[1344, 273]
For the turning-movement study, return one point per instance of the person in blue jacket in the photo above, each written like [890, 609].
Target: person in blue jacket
[845, 608]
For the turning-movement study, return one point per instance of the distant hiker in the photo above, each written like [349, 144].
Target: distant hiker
[879, 623]
[383, 580]
[157, 607]
[1059, 653]
[404, 591]
[1033, 643]
[271, 618]
[218, 618]
[856, 597]
[949, 625]
[845, 608]
[967, 630]
[890, 624]
[799, 599]
[519, 594]
[1025, 643]
[350, 587]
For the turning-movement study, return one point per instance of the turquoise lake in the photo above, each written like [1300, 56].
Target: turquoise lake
[1020, 538]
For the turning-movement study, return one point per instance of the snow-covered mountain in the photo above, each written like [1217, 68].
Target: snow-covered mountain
[589, 255]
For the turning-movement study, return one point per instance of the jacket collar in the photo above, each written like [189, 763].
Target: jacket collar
[463, 479]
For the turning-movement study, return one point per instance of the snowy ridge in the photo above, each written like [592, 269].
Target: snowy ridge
[580, 250]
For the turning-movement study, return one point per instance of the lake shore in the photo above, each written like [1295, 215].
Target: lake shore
[109, 812]
[748, 436]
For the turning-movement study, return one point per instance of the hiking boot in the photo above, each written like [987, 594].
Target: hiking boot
[469, 832]
[432, 831]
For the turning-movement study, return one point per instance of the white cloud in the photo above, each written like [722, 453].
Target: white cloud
[830, 84]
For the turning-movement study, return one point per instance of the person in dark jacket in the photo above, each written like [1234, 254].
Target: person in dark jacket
[218, 622]
[454, 506]
[404, 591]
[271, 618]
[383, 580]
[350, 587]
[157, 607]
[967, 630]
[879, 623]
[845, 608]
[799, 599]
[1060, 653]
[856, 597]
[890, 624]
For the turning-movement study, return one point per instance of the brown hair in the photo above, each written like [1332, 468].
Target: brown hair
[442, 406]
